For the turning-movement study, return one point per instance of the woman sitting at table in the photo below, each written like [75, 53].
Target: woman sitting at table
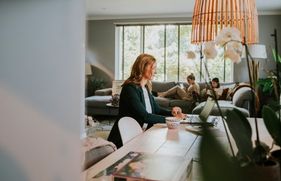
[136, 100]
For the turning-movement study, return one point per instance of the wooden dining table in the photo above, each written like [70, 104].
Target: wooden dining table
[160, 140]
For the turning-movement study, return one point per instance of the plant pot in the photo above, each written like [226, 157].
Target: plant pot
[270, 171]
[276, 155]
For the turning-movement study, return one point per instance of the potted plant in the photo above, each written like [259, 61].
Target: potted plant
[272, 115]
[273, 125]
[252, 162]
[270, 86]
[93, 85]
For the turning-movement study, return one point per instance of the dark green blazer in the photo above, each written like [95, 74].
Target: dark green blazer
[132, 104]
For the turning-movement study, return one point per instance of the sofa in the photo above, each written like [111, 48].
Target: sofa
[240, 99]
[97, 105]
[170, 102]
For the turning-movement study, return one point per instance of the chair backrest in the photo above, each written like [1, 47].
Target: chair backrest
[128, 128]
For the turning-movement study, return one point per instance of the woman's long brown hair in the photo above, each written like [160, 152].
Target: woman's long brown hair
[138, 68]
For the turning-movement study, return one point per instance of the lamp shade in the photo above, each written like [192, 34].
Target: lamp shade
[88, 69]
[210, 16]
[257, 51]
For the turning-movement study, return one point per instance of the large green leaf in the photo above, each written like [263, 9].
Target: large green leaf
[275, 57]
[241, 131]
[274, 105]
[216, 164]
[272, 124]
[266, 85]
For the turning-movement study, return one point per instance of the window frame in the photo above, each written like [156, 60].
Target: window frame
[142, 41]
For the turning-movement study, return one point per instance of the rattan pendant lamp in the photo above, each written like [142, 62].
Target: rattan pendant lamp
[210, 16]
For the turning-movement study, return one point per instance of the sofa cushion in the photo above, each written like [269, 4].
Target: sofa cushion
[180, 103]
[103, 92]
[93, 150]
[163, 102]
[224, 106]
[234, 88]
[242, 94]
[202, 85]
[224, 94]
[227, 87]
[184, 84]
[162, 86]
[97, 101]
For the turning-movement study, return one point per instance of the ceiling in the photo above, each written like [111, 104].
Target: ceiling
[122, 9]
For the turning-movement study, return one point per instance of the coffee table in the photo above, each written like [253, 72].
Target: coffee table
[112, 108]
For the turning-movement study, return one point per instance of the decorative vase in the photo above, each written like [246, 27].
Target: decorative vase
[269, 171]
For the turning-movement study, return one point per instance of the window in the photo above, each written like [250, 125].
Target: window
[168, 43]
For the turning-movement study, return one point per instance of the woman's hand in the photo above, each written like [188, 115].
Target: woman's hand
[177, 112]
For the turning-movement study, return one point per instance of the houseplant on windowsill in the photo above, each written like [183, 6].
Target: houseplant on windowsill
[251, 162]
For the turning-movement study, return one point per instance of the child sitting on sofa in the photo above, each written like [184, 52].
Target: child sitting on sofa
[183, 93]
[215, 83]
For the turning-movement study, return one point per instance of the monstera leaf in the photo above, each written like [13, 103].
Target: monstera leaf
[275, 56]
[216, 163]
[241, 131]
[272, 124]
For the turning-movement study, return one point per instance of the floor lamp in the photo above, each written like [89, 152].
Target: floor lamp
[258, 54]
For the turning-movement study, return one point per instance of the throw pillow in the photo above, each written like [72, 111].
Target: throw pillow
[224, 94]
[203, 95]
[231, 91]
[236, 88]
[93, 150]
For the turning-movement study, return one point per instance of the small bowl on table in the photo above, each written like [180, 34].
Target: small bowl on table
[172, 122]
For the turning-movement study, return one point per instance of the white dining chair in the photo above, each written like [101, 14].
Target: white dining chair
[128, 128]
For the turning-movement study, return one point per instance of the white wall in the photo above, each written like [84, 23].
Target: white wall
[41, 89]
[267, 24]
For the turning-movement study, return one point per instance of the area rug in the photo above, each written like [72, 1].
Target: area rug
[100, 129]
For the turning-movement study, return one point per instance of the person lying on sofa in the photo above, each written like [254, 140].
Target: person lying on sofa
[136, 100]
[188, 93]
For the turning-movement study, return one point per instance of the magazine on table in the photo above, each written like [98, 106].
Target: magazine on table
[148, 167]
[136, 166]
[107, 173]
